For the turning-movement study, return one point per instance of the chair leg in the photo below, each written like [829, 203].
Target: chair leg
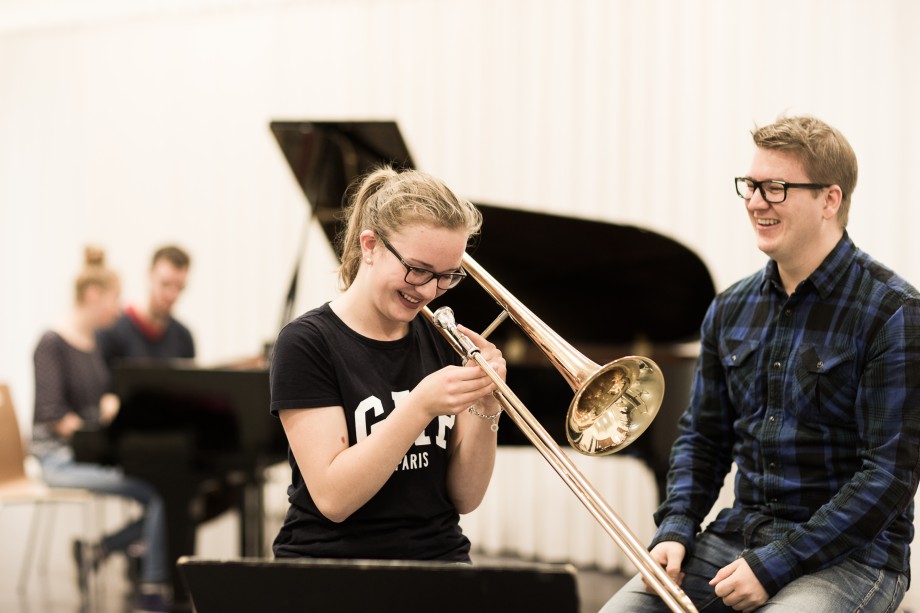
[45, 548]
[98, 501]
[44, 514]
[30, 548]
[94, 594]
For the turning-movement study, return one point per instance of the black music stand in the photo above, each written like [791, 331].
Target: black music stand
[350, 586]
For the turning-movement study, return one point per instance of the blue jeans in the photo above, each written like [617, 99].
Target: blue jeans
[60, 470]
[848, 586]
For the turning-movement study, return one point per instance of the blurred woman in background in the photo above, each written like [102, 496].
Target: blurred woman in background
[71, 385]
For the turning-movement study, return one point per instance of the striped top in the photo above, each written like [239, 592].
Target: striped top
[67, 380]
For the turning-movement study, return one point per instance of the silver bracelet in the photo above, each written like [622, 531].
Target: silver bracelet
[492, 418]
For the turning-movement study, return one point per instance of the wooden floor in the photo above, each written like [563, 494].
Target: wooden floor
[53, 588]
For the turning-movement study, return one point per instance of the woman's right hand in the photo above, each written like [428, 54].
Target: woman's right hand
[452, 389]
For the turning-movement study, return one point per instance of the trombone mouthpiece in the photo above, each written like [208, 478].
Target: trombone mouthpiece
[444, 318]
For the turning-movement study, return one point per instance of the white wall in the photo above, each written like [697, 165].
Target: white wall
[132, 124]
[128, 126]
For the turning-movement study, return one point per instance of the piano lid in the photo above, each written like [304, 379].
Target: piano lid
[593, 282]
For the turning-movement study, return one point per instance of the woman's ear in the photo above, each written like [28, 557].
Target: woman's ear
[368, 241]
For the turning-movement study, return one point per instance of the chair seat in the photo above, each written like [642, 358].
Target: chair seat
[24, 490]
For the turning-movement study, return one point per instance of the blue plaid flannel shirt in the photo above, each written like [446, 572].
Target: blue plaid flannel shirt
[816, 398]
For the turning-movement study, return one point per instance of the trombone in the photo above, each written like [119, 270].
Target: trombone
[613, 405]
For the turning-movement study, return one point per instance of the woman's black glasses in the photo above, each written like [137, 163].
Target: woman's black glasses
[421, 276]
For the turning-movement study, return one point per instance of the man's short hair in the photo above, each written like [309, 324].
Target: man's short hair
[173, 254]
[825, 154]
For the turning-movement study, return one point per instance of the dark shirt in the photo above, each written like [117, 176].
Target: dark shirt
[816, 398]
[317, 362]
[130, 338]
[67, 380]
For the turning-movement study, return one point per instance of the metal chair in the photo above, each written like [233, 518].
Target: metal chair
[18, 488]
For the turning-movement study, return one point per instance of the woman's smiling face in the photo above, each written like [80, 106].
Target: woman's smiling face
[439, 250]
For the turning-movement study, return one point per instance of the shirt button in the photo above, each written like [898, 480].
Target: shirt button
[772, 418]
[820, 365]
[734, 358]
[772, 464]
[777, 365]
[787, 312]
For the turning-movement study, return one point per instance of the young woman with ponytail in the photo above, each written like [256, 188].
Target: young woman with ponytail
[390, 436]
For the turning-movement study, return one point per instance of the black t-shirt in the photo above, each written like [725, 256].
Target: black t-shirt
[318, 361]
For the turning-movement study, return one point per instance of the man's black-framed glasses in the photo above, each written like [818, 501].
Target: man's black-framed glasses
[772, 190]
[421, 276]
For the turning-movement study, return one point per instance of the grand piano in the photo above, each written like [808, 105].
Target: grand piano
[608, 289]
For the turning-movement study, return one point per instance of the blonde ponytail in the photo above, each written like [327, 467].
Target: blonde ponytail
[387, 200]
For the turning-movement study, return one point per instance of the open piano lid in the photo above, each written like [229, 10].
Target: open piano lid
[595, 283]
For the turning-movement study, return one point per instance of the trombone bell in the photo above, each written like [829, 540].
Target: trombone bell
[614, 406]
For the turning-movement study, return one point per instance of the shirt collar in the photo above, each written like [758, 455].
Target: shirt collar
[148, 328]
[825, 277]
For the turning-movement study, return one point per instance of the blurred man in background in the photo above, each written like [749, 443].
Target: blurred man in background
[150, 331]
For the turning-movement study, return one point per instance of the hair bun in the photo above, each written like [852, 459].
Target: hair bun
[94, 256]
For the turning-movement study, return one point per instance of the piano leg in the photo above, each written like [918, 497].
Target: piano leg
[252, 514]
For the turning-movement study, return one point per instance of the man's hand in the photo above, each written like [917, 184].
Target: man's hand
[738, 587]
[670, 554]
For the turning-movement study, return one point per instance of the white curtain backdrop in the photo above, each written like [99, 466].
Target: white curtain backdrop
[131, 124]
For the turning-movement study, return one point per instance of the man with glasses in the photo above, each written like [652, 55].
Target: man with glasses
[808, 382]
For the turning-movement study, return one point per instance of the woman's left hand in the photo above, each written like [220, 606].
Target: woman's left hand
[493, 356]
